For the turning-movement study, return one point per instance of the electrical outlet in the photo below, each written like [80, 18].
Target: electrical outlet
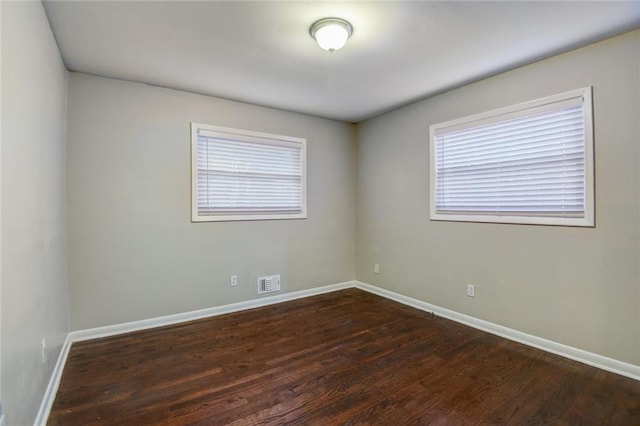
[376, 268]
[234, 280]
[43, 346]
[471, 290]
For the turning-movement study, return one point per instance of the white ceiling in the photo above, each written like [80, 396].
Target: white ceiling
[261, 52]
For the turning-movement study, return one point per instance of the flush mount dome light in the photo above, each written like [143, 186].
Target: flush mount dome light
[331, 33]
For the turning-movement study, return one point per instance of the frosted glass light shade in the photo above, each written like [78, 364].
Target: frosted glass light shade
[331, 33]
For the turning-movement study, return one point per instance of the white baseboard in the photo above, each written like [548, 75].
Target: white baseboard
[127, 327]
[609, 364]
[625, 369]
[54, 382]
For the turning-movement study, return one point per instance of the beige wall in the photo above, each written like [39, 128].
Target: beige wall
[577, 286]
[34, 276]
[133, 250]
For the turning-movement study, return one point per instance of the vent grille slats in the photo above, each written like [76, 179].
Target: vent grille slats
[268, 284]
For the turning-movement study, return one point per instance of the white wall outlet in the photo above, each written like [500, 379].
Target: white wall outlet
[376, 268]
[43, 347]
[471, 290]
[234, 280]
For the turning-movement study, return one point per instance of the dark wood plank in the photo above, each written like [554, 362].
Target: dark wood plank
[347, 357]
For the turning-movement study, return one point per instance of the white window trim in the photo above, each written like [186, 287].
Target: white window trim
[587, 221]
[252, 136]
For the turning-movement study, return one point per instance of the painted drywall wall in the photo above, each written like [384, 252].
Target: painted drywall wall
[1, 409]
[577, 286]
[2, 418]
[135, 254]
[638, 222]
[34, 274]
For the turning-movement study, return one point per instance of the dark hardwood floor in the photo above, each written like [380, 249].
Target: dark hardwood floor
[347, 357]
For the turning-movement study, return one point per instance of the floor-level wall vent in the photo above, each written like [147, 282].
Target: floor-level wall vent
[268, 284]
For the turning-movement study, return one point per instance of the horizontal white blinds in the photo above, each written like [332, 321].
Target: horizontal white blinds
[527, 163]
[241, 176]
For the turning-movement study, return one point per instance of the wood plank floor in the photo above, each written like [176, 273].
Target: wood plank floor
[347, 357]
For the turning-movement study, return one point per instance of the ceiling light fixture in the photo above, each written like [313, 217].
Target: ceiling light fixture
[331, 33]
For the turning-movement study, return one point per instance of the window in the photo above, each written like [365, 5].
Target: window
[530, 163]
[243, 175]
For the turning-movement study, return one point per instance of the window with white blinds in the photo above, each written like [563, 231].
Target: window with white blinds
[244, 175]
[530, 163]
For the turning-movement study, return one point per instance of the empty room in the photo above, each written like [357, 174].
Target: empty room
[323, 213]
